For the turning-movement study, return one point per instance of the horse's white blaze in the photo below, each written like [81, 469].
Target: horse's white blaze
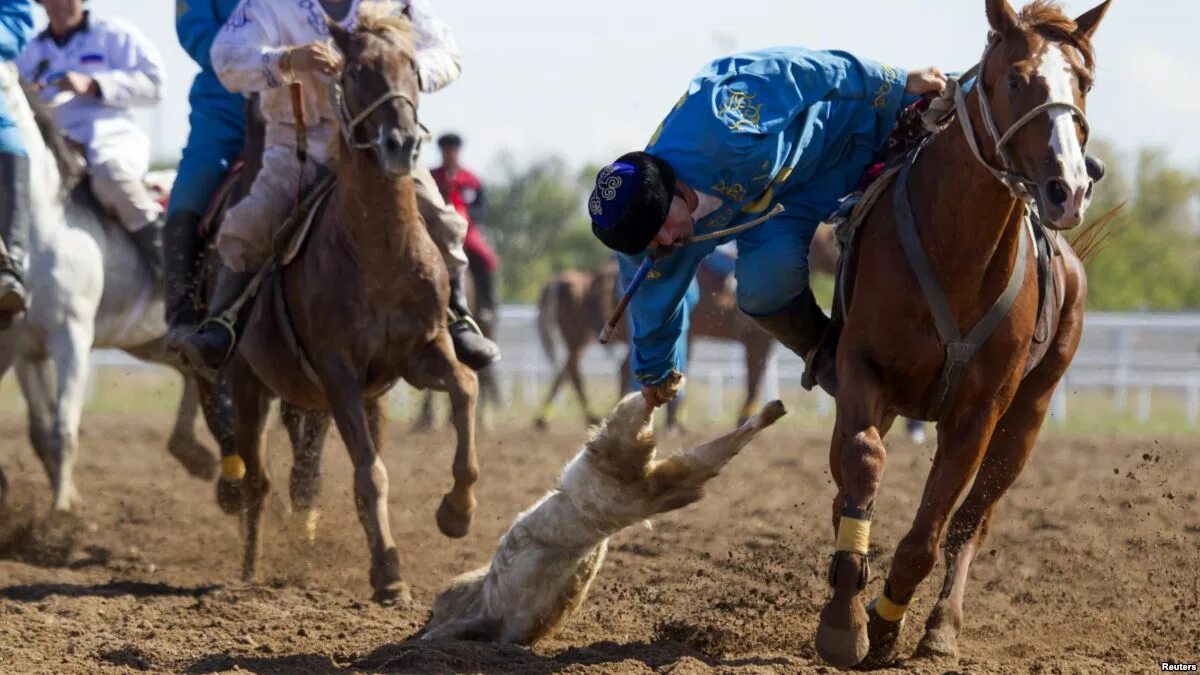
[1056, 71]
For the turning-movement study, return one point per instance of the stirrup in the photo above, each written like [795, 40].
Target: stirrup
[222, 321]
[455, 317]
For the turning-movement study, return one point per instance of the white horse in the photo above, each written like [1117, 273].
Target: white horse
[87, 289]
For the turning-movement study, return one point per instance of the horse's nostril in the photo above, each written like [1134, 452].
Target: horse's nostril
[391, 145]
[1056, 190]
[1088, 194]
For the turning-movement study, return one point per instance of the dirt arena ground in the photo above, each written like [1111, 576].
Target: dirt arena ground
[1092, 566]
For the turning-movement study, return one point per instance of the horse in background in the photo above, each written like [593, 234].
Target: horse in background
[88, 289]
[575, 304]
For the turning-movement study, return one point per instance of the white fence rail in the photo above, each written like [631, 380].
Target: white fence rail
[1134, 358]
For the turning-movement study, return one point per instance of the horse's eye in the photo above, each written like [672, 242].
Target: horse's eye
[1014, 81]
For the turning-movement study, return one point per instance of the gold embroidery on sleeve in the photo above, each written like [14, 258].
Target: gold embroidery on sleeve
[741, 108]
[885, 89]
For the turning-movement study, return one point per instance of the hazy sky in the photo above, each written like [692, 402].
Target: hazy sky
[589, 80]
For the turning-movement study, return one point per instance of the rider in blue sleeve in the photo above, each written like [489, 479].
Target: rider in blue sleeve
[16, 209]
[788, 126]
[217, 134]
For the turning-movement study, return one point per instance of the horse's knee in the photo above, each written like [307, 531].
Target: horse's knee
[862, 461]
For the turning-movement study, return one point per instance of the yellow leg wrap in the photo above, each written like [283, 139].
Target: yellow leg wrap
[232, 467]
[888, 610]
[854, 535]
[546, 411]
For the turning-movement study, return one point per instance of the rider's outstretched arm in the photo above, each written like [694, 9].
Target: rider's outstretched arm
[658, 313]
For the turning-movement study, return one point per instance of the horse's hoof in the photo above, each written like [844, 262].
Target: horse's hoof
[394, 594]
[883, 636]
[194, 457]
[229, 496]
[842, 647]
[540, 424]
[937, 645]
[845, 645]
[593, 421]
[453, 522]
[304, 525]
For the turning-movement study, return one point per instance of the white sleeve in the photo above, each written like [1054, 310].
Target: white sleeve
[437, 51]
[28, 60]
[245, 54]
[136, 77]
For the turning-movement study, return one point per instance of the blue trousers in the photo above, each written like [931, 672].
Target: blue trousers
[218, 131]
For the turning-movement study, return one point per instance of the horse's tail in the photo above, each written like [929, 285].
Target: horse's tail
[1093, 238]
[548, 316]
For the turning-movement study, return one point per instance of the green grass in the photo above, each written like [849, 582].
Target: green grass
[157, 391]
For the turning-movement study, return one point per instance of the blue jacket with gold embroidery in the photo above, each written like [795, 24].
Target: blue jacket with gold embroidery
[785, 124]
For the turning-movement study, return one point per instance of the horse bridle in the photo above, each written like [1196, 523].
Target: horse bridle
[1017, 184]
[348, 122]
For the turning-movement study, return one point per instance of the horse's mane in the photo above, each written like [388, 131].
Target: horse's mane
[1046, 18]
[70, 168]
[384, 17]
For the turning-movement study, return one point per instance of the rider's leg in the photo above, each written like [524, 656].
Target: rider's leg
[16, 213]
[118, 168]
[448, 229]
[244, 244]
[773, 289]
[216, 138]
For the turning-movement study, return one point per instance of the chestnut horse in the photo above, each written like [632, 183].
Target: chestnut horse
[574, 305]
[366, 297]
[1018, 136]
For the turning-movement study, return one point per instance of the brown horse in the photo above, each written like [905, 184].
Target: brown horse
[1020, 131]
[366, 297]
[575, 304]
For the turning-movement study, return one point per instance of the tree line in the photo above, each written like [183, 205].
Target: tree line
[537, 220]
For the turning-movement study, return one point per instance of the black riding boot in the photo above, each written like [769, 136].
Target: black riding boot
[207, 349]
[16, 213]
[180, 243]
[800, 327]
[470, 346]
[149, 244]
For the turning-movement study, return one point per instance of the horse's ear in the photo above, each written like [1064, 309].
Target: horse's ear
[341, 36]
[1090, 19]
[1001, 16]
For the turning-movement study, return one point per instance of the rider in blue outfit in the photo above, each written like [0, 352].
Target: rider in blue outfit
[16, 209]
[788, 126]
[217, 134]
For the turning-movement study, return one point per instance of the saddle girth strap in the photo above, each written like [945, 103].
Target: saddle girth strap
[958, 350]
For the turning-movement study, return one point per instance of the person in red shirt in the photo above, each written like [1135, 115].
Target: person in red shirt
[462, 190]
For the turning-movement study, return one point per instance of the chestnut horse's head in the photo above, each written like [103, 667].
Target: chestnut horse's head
[375, 97]
[1034, 80]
